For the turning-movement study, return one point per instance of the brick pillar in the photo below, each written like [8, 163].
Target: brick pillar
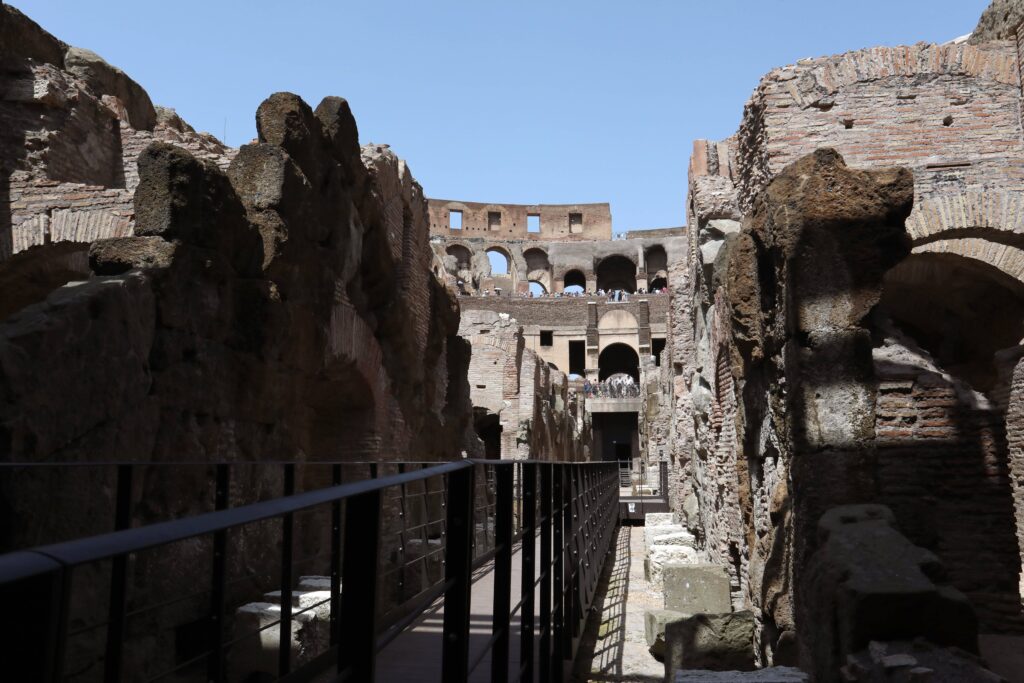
[593, 339]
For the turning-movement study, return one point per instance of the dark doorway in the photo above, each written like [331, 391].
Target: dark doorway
[618, 358]
[488, 428]
[616, 436]
[577, 357]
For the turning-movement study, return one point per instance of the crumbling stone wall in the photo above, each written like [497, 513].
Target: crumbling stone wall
[273, 303]
[541, 418]
[950, 114]
[783, 406]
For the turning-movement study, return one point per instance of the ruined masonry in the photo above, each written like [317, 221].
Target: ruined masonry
[813, 391]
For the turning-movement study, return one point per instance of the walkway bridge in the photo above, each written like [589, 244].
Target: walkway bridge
[463, 571]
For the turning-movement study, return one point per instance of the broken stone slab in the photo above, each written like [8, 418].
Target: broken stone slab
[658, 556]
[917, 660]
[256, 651]
[719, 642]
[301, 599]
[654, 629]
[659, 519]
[696, 588]
[775, 674]
[669, 535]
[867, 582]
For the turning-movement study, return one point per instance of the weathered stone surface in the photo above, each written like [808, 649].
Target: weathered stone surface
[868, 582]
[775, 674]
[661, 556]
[720, 642]
[20, 38]
[109, 80]
[999, 21]
[915, 661]
[653, 519]
[118, 255]
[696, 588]
[654, 629]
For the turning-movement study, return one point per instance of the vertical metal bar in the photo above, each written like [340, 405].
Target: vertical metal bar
[284, 643]
[576, 546]
[502, 573]
[569, 564]
[335, 560]
[547, 569]
[358, 652]
[457, 568]
[528, 482]
[215, 660]
[558, 583]
[118, 581]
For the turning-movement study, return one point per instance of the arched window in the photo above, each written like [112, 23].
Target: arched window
[574, 282]
[499, 261]
[618, 358]
[462, 256]
[616, 272]
[537, 289]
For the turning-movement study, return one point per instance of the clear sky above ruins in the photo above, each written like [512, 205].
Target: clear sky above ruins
[522, 102]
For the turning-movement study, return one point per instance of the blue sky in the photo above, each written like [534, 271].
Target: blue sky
[522, 102]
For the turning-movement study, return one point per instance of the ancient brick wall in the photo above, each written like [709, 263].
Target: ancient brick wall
[541, 418]
[943, 470]
[595, 220]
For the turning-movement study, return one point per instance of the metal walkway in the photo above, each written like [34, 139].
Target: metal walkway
[464, 571]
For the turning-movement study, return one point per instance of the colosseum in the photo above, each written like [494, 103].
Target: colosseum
[275, 413]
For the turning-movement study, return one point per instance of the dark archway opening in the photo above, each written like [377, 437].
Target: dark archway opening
[616, 272]
[618, 358]
[574, 282]
[943, 457]
[658, 283]
[488, 428]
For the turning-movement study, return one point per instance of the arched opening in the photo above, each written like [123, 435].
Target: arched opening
[657, 268]
[499, 261]
[462, 255]
[488, 428]
[616, 272]
[536, 260]
[618, 358]
[574, 282]
[537, 289]
[943, 324]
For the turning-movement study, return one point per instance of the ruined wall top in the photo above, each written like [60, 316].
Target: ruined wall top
[520, 221]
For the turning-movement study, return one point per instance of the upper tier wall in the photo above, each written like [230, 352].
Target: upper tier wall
[509, 221]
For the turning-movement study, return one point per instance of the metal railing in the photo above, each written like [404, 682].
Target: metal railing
[565, 512]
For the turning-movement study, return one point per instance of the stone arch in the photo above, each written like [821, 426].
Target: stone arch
[538, 267]
[949, 319]
[509, 261]
[463, 255]
[656, 260]
[616, 272]
[574, 278]
[616, 358]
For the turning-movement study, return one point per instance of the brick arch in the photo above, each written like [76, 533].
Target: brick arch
[1008, 259]
[810, 83]
[975, 210]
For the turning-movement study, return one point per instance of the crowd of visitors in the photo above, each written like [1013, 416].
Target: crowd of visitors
[616, 386]
[611, 295]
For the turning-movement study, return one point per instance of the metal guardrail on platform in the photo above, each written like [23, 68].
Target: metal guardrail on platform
[571, 507]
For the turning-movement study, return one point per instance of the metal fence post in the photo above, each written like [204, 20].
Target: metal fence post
[112, 661]
[558, 582]
[528, 481]
[502, 573]
[457, 571]
[358, 638]
[284, 644]
[335, 561]
[215, 661]
[547, 569]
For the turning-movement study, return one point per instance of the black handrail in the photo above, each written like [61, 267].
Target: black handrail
[576, 501]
